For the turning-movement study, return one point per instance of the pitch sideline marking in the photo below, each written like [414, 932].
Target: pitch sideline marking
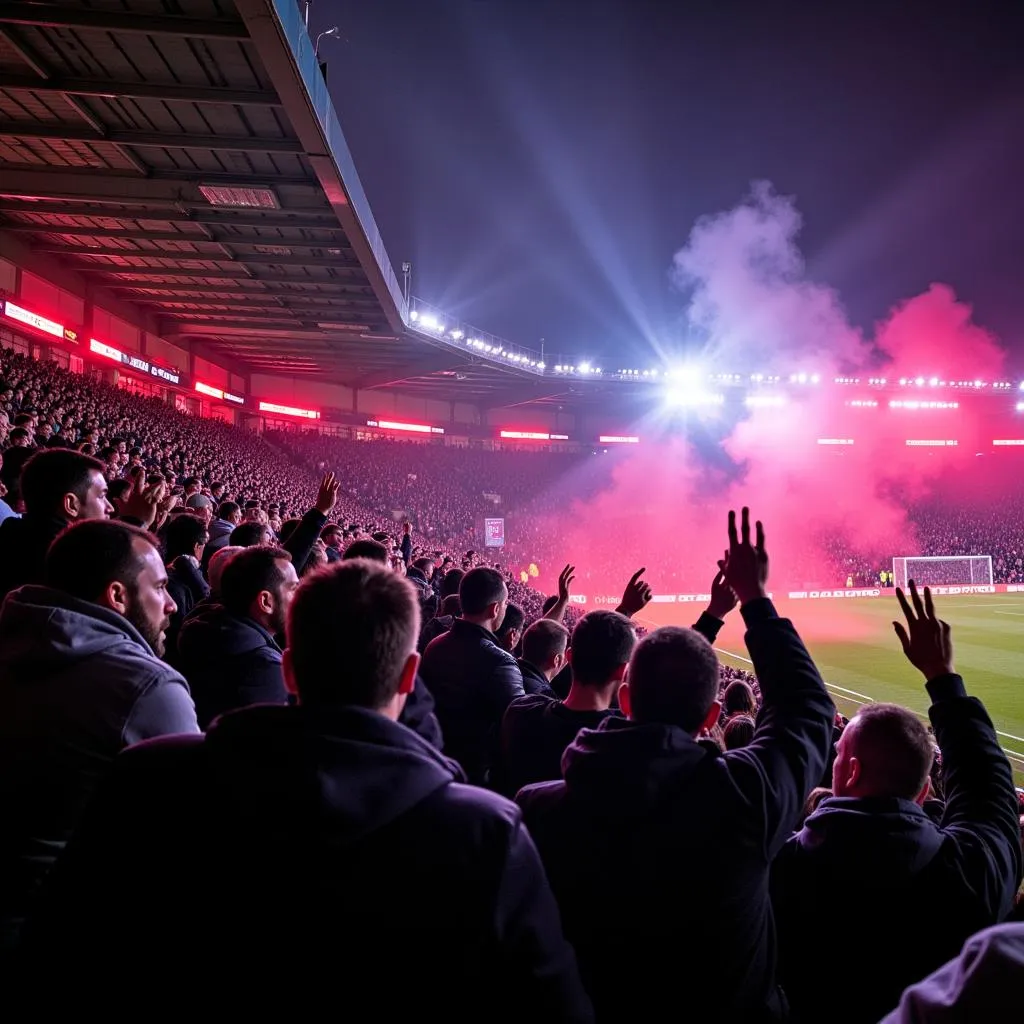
[870, 700]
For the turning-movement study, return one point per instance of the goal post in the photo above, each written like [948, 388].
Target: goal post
[942, 571]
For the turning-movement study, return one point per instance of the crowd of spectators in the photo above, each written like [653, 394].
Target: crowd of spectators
[270, 698]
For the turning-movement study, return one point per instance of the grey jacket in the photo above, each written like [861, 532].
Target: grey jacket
[78, 684]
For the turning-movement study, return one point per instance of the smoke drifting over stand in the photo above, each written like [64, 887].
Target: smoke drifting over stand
[747, 296]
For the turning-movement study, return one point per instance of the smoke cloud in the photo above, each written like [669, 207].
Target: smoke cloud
[826, 507]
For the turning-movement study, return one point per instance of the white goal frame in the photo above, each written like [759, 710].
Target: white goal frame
[978, 570]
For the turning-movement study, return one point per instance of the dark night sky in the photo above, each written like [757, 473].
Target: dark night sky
[540, 161]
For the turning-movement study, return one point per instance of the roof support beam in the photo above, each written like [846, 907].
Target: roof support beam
[53, 16]
[177, 293]
[257, 258]
[199, 274]
[186, 213]
[148, 140]
[199, 305]
[140, 235]
[433, 363]
[142, 90]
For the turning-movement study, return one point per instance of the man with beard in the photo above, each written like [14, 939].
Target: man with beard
[229, 651]
[80, 680]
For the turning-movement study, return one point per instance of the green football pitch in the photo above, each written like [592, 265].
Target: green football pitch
[854, 645]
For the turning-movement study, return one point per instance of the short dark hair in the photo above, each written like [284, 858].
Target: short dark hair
[192, 481]
[514, 619]
[451, 582]
[601, 642]
[51, 474]
[118, 489]
[90, 555]
[480, 588]
[371, 549]
[451, 605]
[543, 640]
[226, 509]
[247, 535]
[894, 749]
[673, 678]
[549, 603]
[182, 533]
[423, 564]
[739, 699]
[738, 732]
[248, 573]
[358, 616]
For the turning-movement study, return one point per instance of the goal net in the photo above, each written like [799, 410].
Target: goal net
[953, 571]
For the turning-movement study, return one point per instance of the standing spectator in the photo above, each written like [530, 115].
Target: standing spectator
[510, 632]
[229, 515]
[687, 832]
[58, 487]
[80, 679]
[544, 647]
[229, 652]
[299, 822]
[913, 890]
[472, 679]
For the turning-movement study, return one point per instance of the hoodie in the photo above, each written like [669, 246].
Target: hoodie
[78, 683]
[906, 890]
[658, 848]
[24, 542]
[230, 662]
[338, 828]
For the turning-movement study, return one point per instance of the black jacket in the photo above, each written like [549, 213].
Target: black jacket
[472, 681]
[230, 662]
[23, 546]
[187, 588]
[330, 849]
[537, 729]
[658, 848]
[534, 681]
[905, 892]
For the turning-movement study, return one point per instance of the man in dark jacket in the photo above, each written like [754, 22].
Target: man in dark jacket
[326, 832]
[544, 647]
[471, 678]
[185, 537]
[228, 652]
[658, 848]
[58, 487]
[904, 892]
[80, 679]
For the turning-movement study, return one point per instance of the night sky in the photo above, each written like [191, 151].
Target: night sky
[539, 162]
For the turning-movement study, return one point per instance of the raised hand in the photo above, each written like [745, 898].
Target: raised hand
[926, 639]
[636, 596]
[142, 505]
[746, 566]
[327, 497]
[723, 600]
[565, 578]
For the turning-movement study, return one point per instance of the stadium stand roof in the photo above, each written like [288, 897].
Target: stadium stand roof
[193, 164]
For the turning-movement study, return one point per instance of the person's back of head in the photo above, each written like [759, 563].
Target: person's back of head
[738, 732]
[739, 699]
[885, 752]
[218, 563]
[450, 583]
[452, 606]
[600, 649]
[249, 534]
[544, 645]
[372, 550]
[425, 566]
[259, 583]
[672, 680]
[116, 566]
[484, 597]
[185, 534]
[64, 484]
[352, 632]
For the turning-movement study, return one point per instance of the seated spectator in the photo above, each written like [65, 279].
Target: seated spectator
[470, 677]
[657, 847]
[80, 679]
[332, 537]
[913, 890]
[544, 647]
[58, 487]
[537, 728]
[185, 539]
[229, 652]
[250, 534]
[229, 516]
[331, 798]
